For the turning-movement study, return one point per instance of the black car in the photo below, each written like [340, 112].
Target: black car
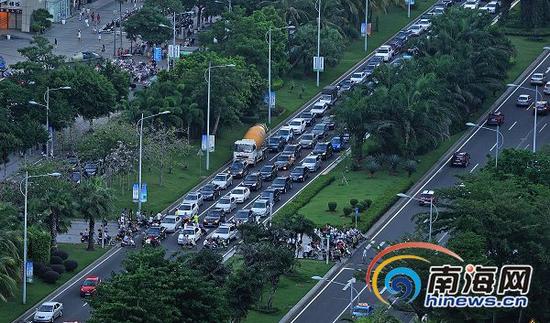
[154, 234]
[242, 216]
[460, 159]
[376, 60]
[283, 184]
[284, 162]
[213, 218]
[295, 150]
[403, 36]
[271, 194]
[253, 181]
[370, 69]
[320, 130]
[308, 117]
[238, 169]
[72, 160]
[324, 149]
[346, 85]
[275, 144]
[75, 177]
[210, 191]
[299, 174]
[329, 121]
[269, 172]
[90, 169]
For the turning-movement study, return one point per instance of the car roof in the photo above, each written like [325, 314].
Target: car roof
[171, 216]
[50, 303]
[428, 192]
[92, 277]
[297, 119]
[524, 95]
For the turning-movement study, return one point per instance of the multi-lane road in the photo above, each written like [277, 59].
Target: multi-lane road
[331, 303]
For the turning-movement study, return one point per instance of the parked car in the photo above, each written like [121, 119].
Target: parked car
[495, 118]
[319, 109]
[238, 169]
[269, 172]
[261, 207]
[426, 197]
[524, 100]
[308, 140]
[460, 159]
[386, 52]
[425, 23]
[48, 312]
[542, 107]
[320, 130]
[193, 197]
[537, 79]
[187, 210]
[171, 223]
[240, 193]
[283, 184]
[295, 150]
[369, 69]
[210, 191]
[298, 125]
[361, 310]
[189, 232]
[242, 216]
[225, 231]
[90, 169]
[213, 218]
[223, 180]
[89, 285]
[286, 133]
[226, 204]
[275, 144]
[471, 4]
[284, 162]
[324, 149]
[253, 181]
[299, 174]
[358, 77]
[312, 162]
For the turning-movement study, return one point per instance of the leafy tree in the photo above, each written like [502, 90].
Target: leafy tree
[118, 77]
[94, 202]
[410, 166]
[208, 264]
[41, 20]
[106, 138]
[169, 291]
[298, 225]
[39, 57]
[293, 11]
[8, 144]
[243, 288]
[162, 147]
[10, 261]
[146, 23]
[380, 315]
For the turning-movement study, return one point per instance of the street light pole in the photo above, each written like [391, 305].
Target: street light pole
[269, 81]
[432, 207]
[366, 23]
[535, 120]
[499, 142]
[208, 119]
[409, 8]
[318, 42]
[48, 121]
[346, 286]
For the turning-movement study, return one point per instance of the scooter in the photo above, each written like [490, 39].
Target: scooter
[129, 243]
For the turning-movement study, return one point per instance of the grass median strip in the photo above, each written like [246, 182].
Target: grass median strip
[38, 289]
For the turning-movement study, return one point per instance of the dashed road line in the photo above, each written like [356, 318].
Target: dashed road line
[474, 168]
[513, 125]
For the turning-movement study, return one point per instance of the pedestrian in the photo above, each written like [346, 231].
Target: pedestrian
[99, 36]
[93, 17]
[86, 22]
[80, 16]
[98, 19]
[55, 42]
[79, 35]
[196, 219]
[103, 48]
[88, 11]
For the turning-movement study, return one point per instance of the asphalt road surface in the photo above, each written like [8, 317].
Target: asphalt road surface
[331, 303]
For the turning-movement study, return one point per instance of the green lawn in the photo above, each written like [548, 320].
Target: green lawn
[291, 289]
[181, 180]
[527, 51]
[37, 290]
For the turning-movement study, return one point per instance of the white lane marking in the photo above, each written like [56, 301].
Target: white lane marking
[426, 220]
[527, 147]
[346, 308]
[513, 125]
[81, 275]
[529, 106]
[383, 290]
[85, 303]
[443, 236]
[493, 147]
[474, 168]
[541, 129]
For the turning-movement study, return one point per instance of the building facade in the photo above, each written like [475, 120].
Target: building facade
[16, 14]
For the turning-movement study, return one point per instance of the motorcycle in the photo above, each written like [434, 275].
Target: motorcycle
[84, 237]
[128, 243]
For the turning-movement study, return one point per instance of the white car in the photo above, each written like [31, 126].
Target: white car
[416, 30]
[358, 77]
[537, 79]
[425, 23]
[312, 162]
[194, 197]
[48, 312]
[491, 7]
[385, 51]
[226, 204]
[298, 125]
[171, 223]
[225, 231]
[261, 208]
[546, 88]
[189, 234]
[471, 4]
[187, 210]
[240, 193]
[319, 109]
[223, 180]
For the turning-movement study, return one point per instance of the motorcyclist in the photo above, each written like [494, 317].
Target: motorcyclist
[196, 219]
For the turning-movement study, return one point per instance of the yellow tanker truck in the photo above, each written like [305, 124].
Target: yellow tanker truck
[252, 147]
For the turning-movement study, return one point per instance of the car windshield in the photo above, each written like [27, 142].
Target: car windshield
[251, 178]
[220, 178]
[284, 132]
[267, 168]
[306, 115]
[188, 232]
[357, 75]
[169, 220]
[153, 231]
[259, 205]
[185, 207]
[307, 137]
[282, 158]
[214, 214]
[237, 166]
[244, 148]
[383, 50]
[416, 27]
[238, 191]
[321, 146]
[208, 188]
[90, 282]
[319, 127]
[224, 200]
[471, 1]
[242, 215]
[290, 149]
[279, 181]
[336, 140]
[192, 197]
[223, 230]
[310, 160]
[274, 140]
[298, 170]
[45, 308]
[296, 123]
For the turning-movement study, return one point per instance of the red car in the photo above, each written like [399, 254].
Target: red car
[495, 119]
[427, 197]
[460, 159]
[89, 286]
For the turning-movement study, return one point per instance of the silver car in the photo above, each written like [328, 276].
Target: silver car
[312, 162]
[308, 140]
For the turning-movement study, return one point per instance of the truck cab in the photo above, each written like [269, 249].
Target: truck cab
[252, 147]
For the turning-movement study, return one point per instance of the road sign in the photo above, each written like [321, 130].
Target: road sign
[174, 51]
[212, 143]
[30, 271]
[157, 54]
[411, 2]
[135, 192]
[318, 63]
[266, 98]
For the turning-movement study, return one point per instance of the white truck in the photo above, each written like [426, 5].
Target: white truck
[252, 147]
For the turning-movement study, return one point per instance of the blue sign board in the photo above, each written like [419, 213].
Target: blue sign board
[363, 28]
[157, 54]
[411, 2]
[266, 98]
[29, 271]
[135, 192]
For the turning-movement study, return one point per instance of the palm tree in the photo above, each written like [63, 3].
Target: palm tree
[94, 202]
[10, 251]
[294, 12]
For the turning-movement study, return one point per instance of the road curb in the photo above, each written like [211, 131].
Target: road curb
[76, 277]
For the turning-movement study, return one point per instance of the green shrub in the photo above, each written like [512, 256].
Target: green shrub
[60, 253]
[353, 202]
[332, 206]
[39, 245]
[51, 277]
[58, 269]
[55, 260]
[277, 84]
[305, 196]
[347, 211]
[39, 268]
[70, 265]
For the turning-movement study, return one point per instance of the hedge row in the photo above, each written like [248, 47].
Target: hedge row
[526, 33]
[305, 196]
[39, 245]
